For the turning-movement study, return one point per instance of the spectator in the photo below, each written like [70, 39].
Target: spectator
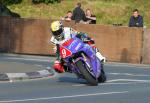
[90, 19]
[68, 16]
[136, 20]
[78, 14]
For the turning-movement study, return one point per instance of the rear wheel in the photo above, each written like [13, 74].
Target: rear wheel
[87, 75]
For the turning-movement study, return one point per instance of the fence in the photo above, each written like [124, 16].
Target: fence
[146, 47]
[31, 36]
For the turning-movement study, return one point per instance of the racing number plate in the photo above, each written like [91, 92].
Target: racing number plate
[64, 52]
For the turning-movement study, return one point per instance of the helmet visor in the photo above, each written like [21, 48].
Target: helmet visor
[57, 33]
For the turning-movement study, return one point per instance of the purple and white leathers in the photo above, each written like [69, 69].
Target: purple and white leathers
[67, 32]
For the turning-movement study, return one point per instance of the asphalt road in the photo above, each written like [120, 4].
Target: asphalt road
[126, 84]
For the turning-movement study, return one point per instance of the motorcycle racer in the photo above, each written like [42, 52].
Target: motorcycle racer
[60, 34]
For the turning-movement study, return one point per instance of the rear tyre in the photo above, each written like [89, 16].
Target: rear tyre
[87, 75]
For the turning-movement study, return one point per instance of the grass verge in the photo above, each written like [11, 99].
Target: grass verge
[108, 12]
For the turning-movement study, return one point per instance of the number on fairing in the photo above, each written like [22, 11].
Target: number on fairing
[63, 52]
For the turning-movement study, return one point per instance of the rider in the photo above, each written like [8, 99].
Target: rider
[60, 34]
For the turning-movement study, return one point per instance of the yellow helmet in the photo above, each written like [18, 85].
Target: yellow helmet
[57, 29]
[56, 25]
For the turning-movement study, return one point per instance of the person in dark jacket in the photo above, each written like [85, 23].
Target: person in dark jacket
[78, 14]
[136, 20]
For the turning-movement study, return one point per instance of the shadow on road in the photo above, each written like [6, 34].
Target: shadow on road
[72, 80]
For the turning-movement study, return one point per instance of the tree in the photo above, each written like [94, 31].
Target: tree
[9, 2]
[4, 11]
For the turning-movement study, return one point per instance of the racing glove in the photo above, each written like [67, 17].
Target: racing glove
[58, 67]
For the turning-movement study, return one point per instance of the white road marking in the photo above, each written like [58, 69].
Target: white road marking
[127, 80]
[123, 83]
[128, 74]
[117, 81]
[38, 65]
[62, 97]
[128, 65]
[30, 59]
[80, 85]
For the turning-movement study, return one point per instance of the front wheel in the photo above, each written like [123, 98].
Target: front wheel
[102, 78]
[83, 68]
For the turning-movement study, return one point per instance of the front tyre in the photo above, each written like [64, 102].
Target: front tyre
[87, 75]
[102, 78]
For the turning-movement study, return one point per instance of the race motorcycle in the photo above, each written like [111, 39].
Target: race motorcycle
[81, 59]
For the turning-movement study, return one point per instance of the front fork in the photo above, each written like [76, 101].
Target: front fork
[86, 61]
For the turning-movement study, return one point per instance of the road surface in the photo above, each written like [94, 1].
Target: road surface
[126, 83]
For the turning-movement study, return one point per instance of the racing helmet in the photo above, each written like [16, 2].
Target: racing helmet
[57, 30]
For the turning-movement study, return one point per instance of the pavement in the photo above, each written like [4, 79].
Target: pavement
[14, 67]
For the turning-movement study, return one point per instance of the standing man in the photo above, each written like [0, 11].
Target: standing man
[136, 20]
[78, 14]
